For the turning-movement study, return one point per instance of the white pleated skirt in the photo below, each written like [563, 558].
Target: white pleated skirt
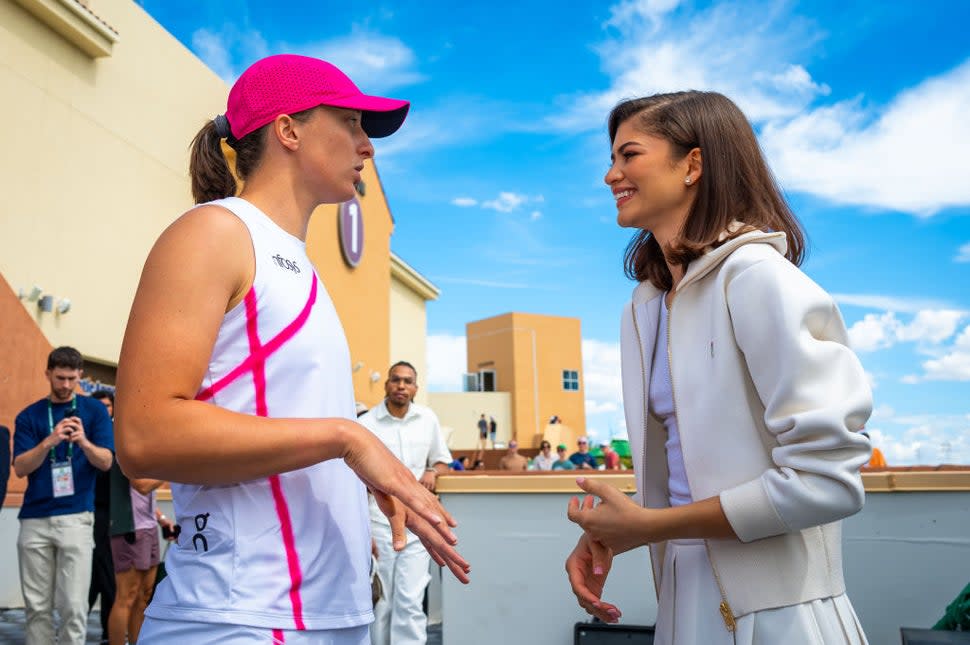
[689, 614]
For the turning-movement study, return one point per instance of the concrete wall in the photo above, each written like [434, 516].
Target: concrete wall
[97, 166]
[461, 411]
[409, 334]
[906, 558]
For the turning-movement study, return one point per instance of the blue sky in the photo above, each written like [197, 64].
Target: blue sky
[495, 181]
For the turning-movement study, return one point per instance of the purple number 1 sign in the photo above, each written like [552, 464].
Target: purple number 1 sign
[350, 224]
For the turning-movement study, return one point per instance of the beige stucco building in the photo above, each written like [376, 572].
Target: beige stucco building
[538, 360]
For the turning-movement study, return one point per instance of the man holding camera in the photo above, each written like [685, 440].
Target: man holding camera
[60, 442]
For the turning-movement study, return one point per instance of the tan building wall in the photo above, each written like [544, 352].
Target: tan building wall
[95, 162]
[409, 321]
[459, 413]
[528, 353]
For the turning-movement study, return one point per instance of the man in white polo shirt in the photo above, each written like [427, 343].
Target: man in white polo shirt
[412, 433]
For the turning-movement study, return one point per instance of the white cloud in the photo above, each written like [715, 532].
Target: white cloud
[927, 439]
[881, 331]
[596, 407]
[954, 366]
[214, 52]
[446, 362]
[376, 62]
[856, 155]
[534, 215]
[464, 202]
[963, 254]
[506, 202]
[874, 331]
[852, 151]
[887, 303]
[746, 50]
[931, 326]
[652, 10]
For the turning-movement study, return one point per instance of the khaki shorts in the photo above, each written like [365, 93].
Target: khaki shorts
[141, 554]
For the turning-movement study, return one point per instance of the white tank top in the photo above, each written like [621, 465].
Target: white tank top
[291, 551]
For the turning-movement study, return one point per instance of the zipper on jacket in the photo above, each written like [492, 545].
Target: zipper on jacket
[724, 608]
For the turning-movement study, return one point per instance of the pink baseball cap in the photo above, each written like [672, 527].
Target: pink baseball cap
[288, 83]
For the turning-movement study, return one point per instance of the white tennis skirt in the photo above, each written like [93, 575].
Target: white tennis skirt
[688, 612]
[166, 632]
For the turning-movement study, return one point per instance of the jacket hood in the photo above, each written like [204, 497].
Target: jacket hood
[703, 265]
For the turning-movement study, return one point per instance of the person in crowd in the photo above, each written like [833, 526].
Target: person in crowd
[412, 433]
[743, 400]
[60, 443]
[611, 460]
[102, 568]
[492, 431]
[479, 464]
[135, 551]
[582, 459]
[877, 460]
[544, 460]
[483, 433]
[512, 460]
[235, 379]
[461, 463]
[562, 461]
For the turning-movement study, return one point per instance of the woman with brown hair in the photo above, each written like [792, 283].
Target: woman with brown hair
[235, 380]
[743, 401]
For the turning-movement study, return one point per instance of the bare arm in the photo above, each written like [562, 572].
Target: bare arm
[620, 524]
[201, 267]
[100, 458]
[30, 460]
[145, 486]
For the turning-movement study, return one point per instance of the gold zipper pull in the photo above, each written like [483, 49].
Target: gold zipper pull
[728, 616]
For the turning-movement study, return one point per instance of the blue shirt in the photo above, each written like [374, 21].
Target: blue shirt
[579, 459]
[33, 426]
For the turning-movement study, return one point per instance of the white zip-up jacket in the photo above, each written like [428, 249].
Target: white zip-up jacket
[769, 400]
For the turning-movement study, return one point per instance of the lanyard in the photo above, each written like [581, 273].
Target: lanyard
[71, 411]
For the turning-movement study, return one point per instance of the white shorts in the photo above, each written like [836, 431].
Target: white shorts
[165, 632]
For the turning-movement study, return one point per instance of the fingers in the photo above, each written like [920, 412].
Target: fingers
[602, 560]
[577, 572]
[396, 515]
[601, 489]
[441, 551]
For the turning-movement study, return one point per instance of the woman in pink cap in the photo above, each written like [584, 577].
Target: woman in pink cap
[235, 380]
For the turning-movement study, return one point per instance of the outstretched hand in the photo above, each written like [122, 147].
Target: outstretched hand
[405, 501]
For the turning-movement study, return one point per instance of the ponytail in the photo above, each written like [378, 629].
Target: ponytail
[208, 167]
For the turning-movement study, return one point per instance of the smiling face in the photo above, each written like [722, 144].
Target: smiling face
[333, 149]
[653, 188]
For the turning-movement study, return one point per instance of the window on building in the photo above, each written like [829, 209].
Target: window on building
[486, 381]
[570, 380]
[480, 381]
